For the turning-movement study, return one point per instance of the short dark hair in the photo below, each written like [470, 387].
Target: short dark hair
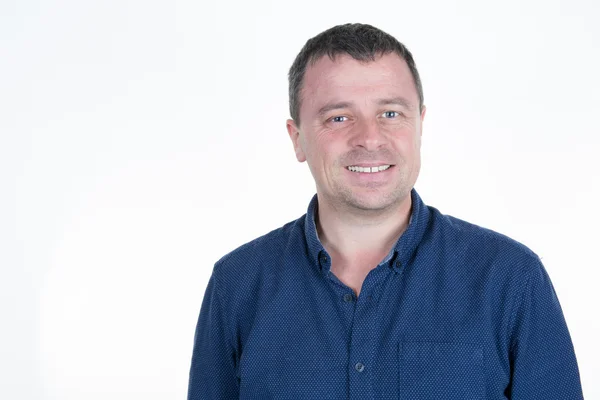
[360, 41]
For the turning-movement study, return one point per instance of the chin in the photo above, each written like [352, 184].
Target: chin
[375, 201]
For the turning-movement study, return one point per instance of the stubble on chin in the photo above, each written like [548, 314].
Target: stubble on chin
[375, 199]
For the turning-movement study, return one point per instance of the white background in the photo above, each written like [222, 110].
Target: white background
[142, 140]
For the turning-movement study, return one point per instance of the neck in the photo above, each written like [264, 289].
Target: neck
[354, 234]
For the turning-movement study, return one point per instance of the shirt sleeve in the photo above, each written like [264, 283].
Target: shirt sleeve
[542, 355]
[213, 370]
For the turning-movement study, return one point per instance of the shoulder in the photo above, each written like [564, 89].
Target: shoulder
[254, 256]
[482, 245]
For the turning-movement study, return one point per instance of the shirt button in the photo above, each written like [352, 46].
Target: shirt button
[323, 259]
[359, 367]
[398, 264]
[348, 298]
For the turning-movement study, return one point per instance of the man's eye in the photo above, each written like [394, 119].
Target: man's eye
[391, 114]
[338, 119]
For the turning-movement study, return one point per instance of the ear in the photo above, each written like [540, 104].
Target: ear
[294, 133]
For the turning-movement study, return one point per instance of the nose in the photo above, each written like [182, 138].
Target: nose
[368, 134]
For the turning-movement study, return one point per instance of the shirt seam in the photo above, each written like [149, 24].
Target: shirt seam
[225, 320]
[518, 303]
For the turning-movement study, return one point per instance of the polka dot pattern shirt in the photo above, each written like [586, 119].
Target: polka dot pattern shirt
[455, 311]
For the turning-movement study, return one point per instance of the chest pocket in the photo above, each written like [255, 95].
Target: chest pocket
[434, 371]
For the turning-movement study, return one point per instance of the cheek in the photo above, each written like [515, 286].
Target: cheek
[406, 142]
[417, 144]
[326, 148]
[416, 156]
[316, 155]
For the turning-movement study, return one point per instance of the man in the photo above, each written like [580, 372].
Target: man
[372, 294]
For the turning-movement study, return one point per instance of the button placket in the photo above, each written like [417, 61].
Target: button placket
[397, 266]
[361, 347]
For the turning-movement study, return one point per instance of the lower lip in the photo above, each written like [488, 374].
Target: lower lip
[370, 176]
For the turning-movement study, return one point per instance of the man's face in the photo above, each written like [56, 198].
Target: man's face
[357, 118]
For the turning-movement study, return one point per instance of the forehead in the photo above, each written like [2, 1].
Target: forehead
[347, 79]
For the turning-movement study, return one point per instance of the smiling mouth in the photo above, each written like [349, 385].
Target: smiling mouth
[368, 170]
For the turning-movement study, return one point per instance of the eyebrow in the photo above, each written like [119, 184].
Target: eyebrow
[401, 101]
[333, 106]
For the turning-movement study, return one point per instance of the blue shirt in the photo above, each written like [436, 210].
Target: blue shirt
[455, 311]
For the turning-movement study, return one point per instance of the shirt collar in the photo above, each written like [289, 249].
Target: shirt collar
[400, 254]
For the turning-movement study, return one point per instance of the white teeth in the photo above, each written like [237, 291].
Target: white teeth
[368, 169]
